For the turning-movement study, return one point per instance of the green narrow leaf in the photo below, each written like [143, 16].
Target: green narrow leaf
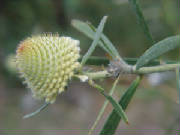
[98, 61]
[107, 43]
[179, 85]
[139, 14]
[114, 119]
[37, 111]
[178, 81]
[89, 31]
[86, 30]
[104, 106]
[119, 110]
[83, 28]
[158, 49]
[95, 41]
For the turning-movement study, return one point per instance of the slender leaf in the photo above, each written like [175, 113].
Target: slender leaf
[98, 61]
[37, 111]
[117, 107]
[107, 43]
[104, 106]
[114, 119]
[158, 49]
[95, 41]
[89, 31]
[178, 81]
[141, 21]
[85, 29]
[179, 85]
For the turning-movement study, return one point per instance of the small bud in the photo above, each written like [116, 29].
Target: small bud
[47, 62]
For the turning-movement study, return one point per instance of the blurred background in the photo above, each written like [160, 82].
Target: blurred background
[154, 108]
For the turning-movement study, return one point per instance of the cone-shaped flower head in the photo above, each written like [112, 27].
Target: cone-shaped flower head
[47, 62]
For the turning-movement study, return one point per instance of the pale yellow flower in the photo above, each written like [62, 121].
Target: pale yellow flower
[47, 62]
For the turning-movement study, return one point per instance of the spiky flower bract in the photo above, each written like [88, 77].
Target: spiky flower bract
[47, 62]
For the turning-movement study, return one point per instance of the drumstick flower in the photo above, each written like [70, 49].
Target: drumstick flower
[47, 62]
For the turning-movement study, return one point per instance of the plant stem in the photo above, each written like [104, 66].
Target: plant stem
[161, 68]
[98, 87]
[98, 75]
[143, 70]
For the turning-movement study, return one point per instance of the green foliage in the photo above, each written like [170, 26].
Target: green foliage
[86, 29]
[141, 20]
[111, 92]
[33, 18]
[89, 30]
[118, 112]
[99, 61]
[117, 107]
[95, 41]
[114, 119]
[178, 81]
[179, 84]
[158, 49]
[37, 111]
[107, 44]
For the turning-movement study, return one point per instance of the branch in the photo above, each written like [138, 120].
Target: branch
[154, 69]
[143, 70]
